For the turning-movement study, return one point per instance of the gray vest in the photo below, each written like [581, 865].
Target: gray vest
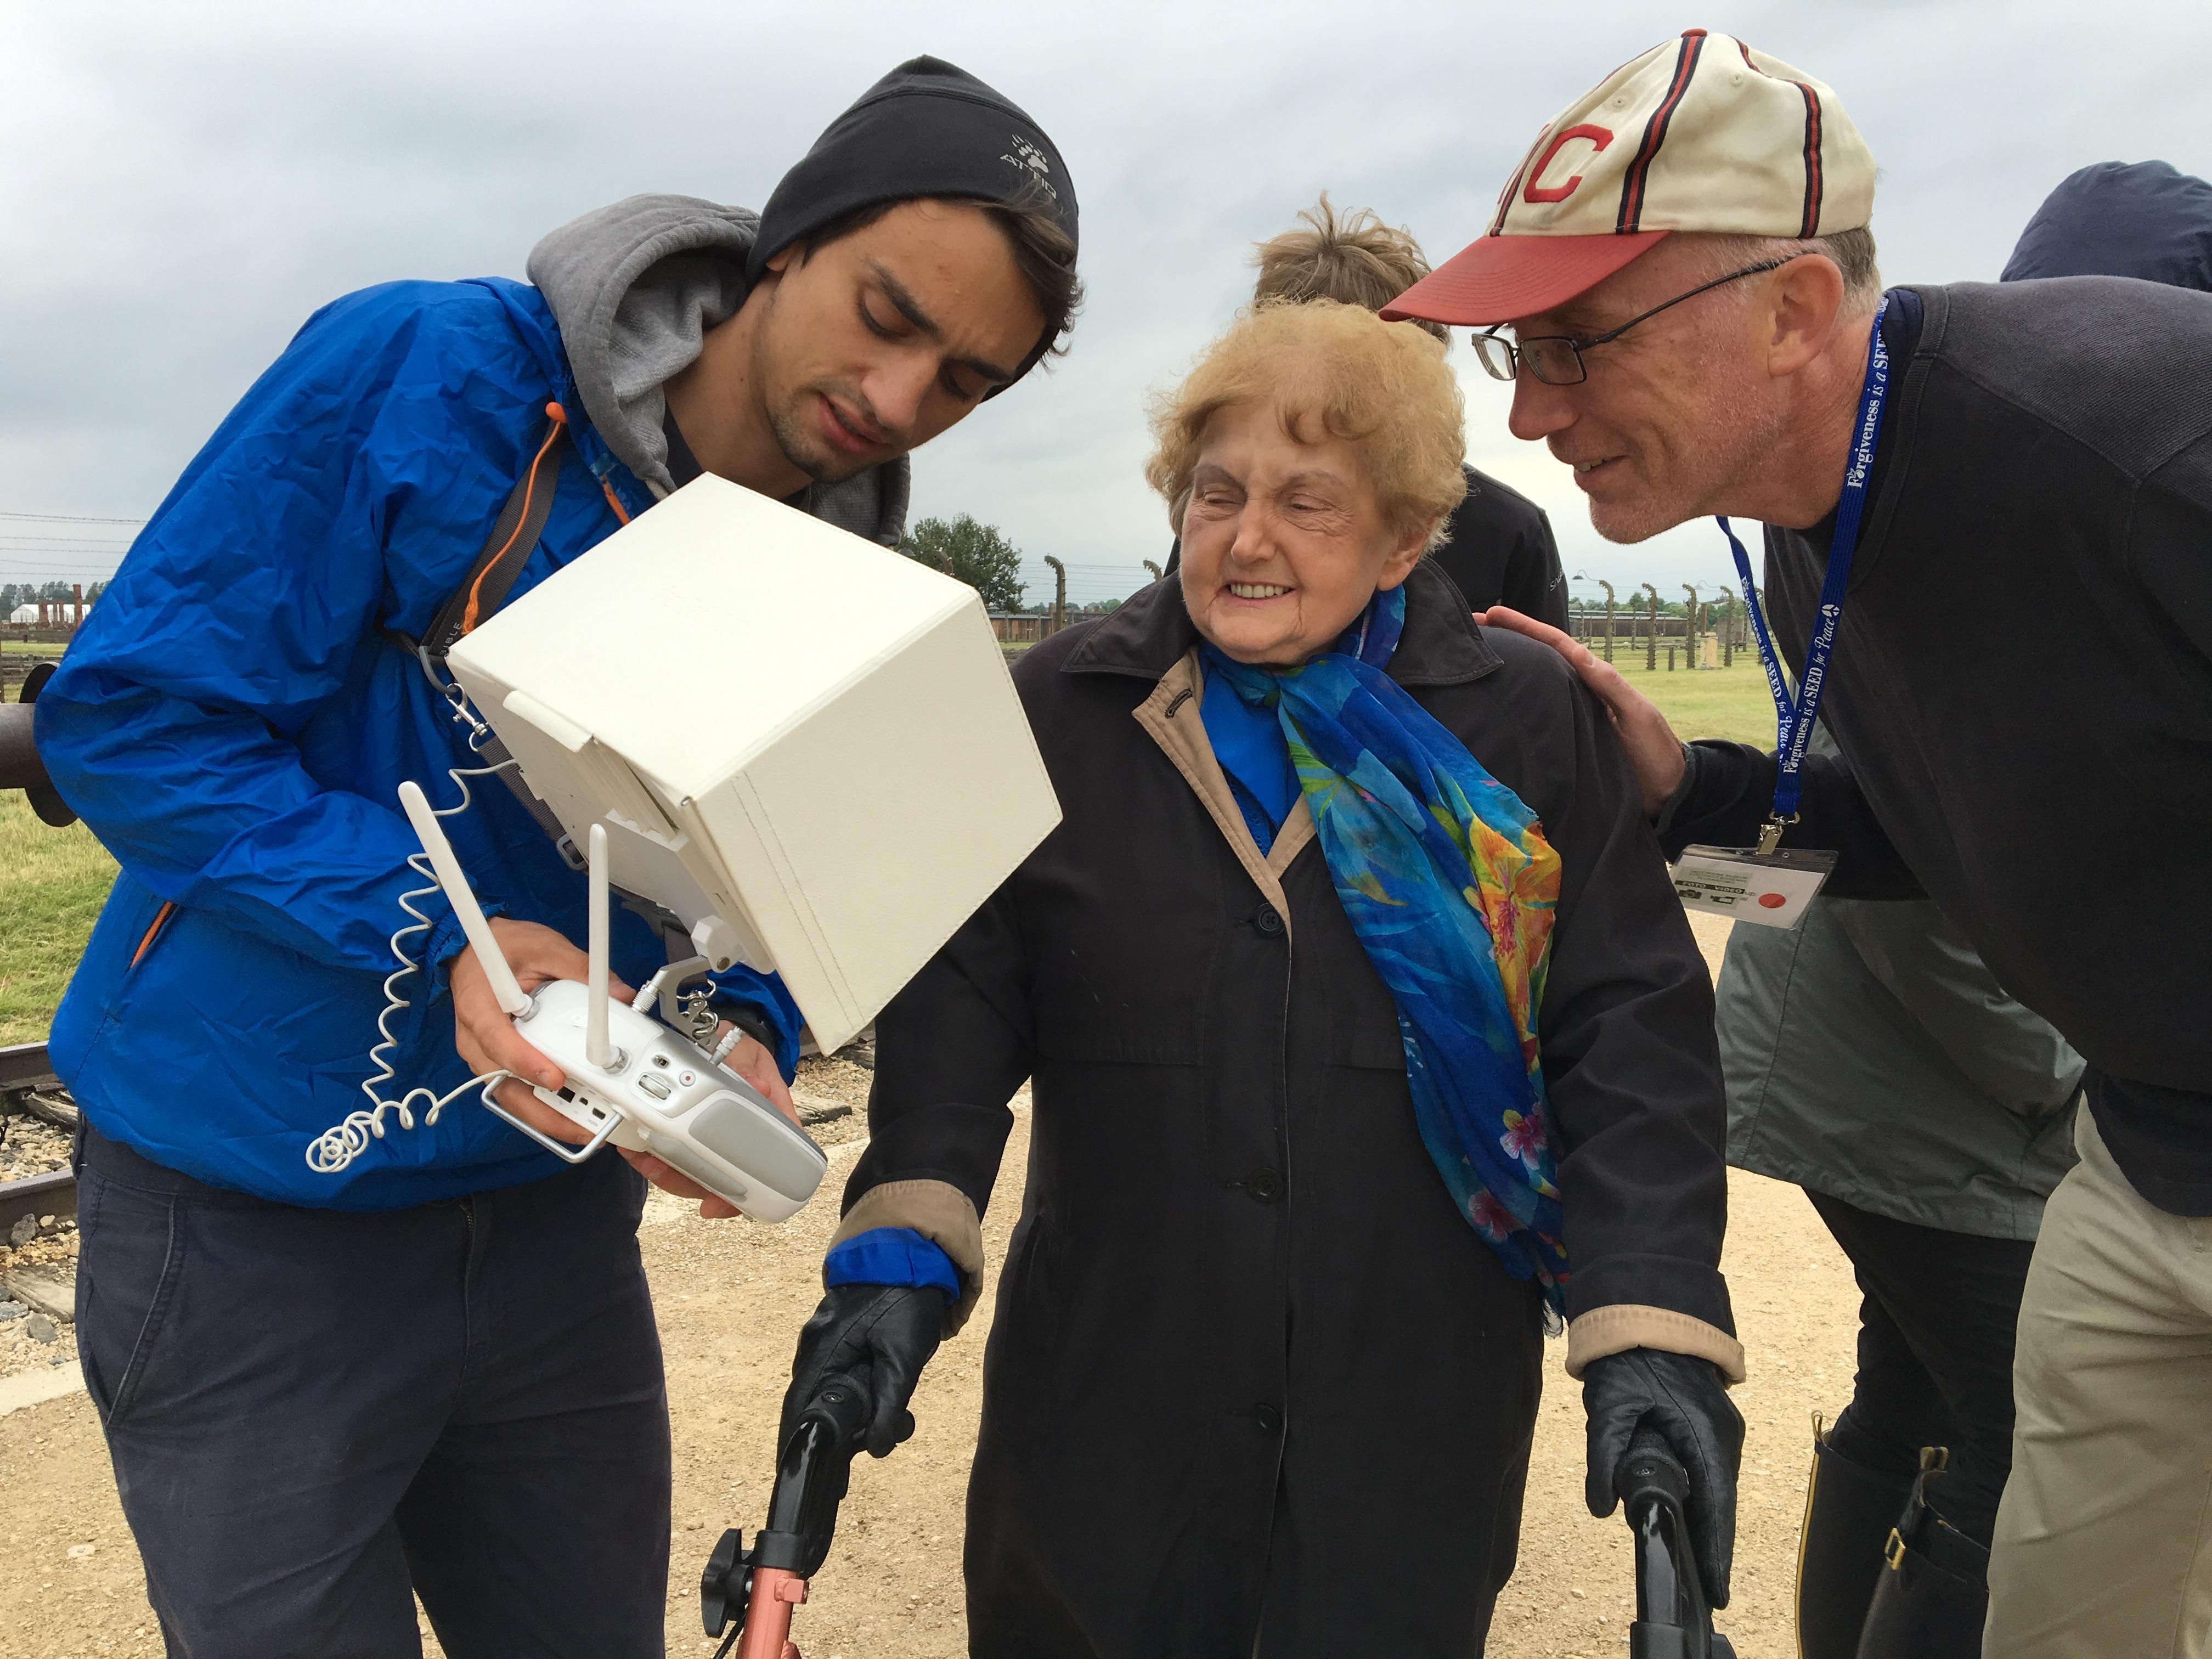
[1869, 1055]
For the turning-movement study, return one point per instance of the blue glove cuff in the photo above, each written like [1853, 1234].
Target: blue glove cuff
[892, 1255]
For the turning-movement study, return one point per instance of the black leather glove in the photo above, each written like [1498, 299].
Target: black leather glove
[1683, 1398]
[881, 1336]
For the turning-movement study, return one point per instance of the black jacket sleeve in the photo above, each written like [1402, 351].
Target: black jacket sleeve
[1728, 794]
[950, 1050]
[1631, 1063]
[2170, 544]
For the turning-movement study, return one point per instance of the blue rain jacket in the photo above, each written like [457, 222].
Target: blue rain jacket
[232, 721]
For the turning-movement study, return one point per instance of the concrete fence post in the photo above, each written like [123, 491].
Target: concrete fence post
[1058, 592]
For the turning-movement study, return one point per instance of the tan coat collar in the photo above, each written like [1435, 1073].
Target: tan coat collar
[1170, 715]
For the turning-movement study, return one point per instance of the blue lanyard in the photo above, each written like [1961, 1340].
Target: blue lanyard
[1794, 718]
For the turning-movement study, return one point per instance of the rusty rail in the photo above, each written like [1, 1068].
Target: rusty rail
[28, 1084]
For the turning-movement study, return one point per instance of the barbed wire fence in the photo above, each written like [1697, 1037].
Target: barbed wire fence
[42, 551]
[1635, 632]
[52, 567]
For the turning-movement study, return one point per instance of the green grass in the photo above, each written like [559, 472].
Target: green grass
[1707, 702]
[31, 647]
[53, 882]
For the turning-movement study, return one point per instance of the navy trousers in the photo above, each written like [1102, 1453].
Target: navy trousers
[315, 1417]
[1936, 1341]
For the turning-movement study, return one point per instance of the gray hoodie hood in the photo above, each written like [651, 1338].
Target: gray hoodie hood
[634, 288]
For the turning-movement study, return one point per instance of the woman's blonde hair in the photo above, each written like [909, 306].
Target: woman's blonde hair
[1353, 257]
[1335, 370]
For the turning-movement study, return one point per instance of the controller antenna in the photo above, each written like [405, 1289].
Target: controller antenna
[459, 894]
[596, 1048]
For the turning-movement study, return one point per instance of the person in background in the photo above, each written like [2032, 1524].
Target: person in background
[1873, 1061]
[434, 1371]
[1497, 545]
[1681, 285]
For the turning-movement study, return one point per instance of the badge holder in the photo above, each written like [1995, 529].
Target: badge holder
[1770, 888]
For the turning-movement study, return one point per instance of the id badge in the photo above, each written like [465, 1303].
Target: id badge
[1771, 889]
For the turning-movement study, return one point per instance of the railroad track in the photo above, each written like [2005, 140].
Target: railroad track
[29, 1086]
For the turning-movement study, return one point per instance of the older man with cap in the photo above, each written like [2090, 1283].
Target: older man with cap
[435, 1372]
[1680, 284]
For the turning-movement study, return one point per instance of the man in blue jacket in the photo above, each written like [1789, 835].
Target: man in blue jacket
[436, 1371]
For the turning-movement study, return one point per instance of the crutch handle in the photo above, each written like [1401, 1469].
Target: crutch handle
[1672, 1619]
[1651, 1469]
[758, 1588]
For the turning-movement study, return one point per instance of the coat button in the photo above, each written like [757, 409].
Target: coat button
[1269, 920]
[1264, 1185]
[1269, 1420]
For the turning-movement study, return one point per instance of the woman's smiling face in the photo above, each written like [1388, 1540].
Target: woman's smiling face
[1284, 542]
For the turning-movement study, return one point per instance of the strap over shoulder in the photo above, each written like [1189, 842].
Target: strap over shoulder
[490, 577]
[514, 539]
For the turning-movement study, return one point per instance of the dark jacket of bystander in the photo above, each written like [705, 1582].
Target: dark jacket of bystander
[1501, 551]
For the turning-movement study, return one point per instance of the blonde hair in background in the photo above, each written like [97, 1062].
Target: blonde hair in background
[1355, 261]
[1336, 369]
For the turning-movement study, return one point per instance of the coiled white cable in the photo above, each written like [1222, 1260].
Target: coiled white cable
[330, 1152]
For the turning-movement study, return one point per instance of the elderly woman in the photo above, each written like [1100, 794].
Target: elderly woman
[1366, 1036]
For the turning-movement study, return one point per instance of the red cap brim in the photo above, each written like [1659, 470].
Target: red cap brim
[1501, 278]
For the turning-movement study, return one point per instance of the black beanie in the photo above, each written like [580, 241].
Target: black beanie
[926, 129]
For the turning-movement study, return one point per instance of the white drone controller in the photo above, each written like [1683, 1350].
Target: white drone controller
[629, 1079]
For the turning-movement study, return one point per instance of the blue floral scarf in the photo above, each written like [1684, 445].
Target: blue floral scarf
[1451, 886]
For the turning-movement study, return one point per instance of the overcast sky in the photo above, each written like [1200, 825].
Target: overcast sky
[184, 184]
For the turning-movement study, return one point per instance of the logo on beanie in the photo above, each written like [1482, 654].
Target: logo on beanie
[1027, 154]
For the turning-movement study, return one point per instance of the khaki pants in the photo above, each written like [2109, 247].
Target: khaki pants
[2104, 1539]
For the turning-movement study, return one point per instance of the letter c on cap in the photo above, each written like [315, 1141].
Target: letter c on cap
[1599, 139]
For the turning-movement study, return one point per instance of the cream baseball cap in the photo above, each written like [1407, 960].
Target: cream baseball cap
[1703, 133]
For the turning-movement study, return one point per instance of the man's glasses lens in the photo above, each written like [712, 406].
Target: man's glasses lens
[1551, 359]
[1554, 360]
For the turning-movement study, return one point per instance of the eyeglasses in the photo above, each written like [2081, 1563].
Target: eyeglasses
[1557, 359]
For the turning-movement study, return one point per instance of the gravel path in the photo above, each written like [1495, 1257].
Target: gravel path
[46, 1245]
[31, 1146]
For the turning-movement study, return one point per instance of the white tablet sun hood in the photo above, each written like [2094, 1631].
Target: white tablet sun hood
[804, 746]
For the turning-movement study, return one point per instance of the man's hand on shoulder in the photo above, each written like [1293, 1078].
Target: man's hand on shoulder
[1653, 749]
[488, 1042]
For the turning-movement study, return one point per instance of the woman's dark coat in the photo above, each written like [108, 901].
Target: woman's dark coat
[1252, 1378]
